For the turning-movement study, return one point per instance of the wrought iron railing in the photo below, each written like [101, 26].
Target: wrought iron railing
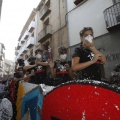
[46, 31]
[112, 15]
[46, 10]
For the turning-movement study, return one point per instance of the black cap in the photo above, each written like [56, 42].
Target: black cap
[62, 50]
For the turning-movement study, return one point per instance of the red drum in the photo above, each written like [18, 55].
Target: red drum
[82, 100]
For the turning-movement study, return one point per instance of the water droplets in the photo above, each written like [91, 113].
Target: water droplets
[109, 118]
[106, 103]
[103, 115]
[68, 96]
[96, 93]
[68, 88]
[83, 115]
[116, 107]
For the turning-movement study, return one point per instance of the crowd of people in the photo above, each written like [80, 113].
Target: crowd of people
[85, 64]
[41, 69]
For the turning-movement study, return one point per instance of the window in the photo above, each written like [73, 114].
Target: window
[76, 2]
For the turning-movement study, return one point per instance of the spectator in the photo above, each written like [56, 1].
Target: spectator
[86, 58]
[61, 69]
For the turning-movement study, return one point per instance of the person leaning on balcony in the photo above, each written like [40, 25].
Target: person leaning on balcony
[86, 58]
[61, 69]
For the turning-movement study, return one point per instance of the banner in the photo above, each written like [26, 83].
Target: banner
[32, 101]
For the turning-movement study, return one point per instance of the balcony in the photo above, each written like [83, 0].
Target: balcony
[76, 2]
[21, 54]
[44, 12]
[26, 35]
[1, 58]
[25, 49]
[22, 40]
[45, 33]
[31, 26]
[16, 52]
[112, 17]
[30, 42]
[19, 45]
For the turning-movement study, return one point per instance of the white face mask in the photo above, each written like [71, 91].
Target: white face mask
[39, 56]
[63, 56]
[26, 63]
[89, 38]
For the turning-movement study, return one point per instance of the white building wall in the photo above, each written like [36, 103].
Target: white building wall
[88, 14]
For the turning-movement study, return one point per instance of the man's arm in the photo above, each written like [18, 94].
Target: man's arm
[29, 67]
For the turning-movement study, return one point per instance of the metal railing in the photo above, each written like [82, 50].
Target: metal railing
[31, 26]
[112, 15]
[46, 10]
[46, 32]
[30, 42]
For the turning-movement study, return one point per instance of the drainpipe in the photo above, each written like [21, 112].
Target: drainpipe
[60, 25]
[69, 49]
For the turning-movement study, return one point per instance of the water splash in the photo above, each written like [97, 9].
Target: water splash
[83, 115]
[116, 107]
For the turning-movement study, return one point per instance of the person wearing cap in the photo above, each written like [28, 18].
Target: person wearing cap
[19, 73]
[36, 68]
[61, 69]
[29, 69]
[41, 67]
[86, 60]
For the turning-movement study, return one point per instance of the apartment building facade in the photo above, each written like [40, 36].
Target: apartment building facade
[52, 29]
[45, 28]
[9, 67]
[26, 41]
[104, 17]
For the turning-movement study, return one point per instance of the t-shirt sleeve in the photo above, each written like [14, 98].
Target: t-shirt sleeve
[77, 53]
[69, 63]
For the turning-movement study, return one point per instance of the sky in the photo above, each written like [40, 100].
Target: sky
[13, 18]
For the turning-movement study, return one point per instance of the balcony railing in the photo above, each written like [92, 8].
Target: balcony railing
[16, 52]
[1, 58]
[31, 26]
[112, 17]
[45, 33]
[44, 12]
[30, 42]
[25, 49]
[22, 40]
[26, 35]
[20, 52]
[19, 45]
